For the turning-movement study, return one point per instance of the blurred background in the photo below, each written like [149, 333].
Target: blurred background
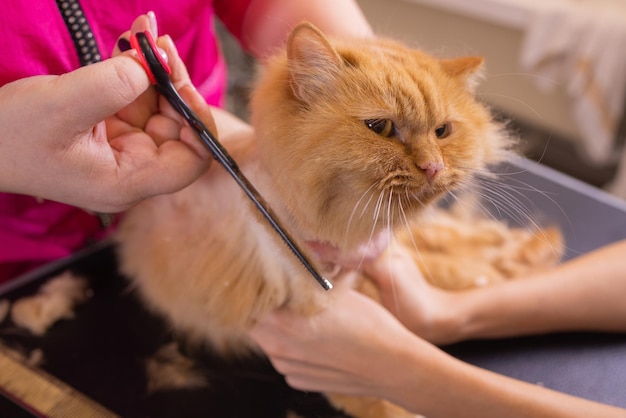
[555, 68]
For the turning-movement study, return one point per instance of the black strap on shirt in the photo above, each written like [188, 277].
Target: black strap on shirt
[79, 29]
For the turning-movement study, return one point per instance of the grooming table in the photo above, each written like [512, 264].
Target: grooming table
[94, 364]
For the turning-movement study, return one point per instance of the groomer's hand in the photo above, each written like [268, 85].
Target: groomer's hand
[97, 137]
[350, 347]
[430, 312]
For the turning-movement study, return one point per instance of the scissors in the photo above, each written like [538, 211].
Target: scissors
[158, 72]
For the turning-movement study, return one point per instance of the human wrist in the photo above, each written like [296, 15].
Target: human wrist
[488, 312]
[406, 358]
[459, 321]
[421, 375]
[444, 322]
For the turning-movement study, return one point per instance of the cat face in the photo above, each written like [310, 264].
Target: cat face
[360, 135]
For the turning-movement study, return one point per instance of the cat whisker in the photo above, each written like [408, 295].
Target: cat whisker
[510, 205]
[528, 75]
[521, 102]
[500, 189]
[368, 200]
[389, 211]
[407, 226]
[379, 204]
[477, 204]
[394, 291]
[367, 192]
[505, 203]
[414, 197]
[405, 221]
[506, 198]
[373, 228]
[547, 195]
[387, 219]
[480, 173]
[517, 189]
[544, 151]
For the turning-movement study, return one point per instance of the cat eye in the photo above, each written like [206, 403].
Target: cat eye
[383, 127]
[444, 130]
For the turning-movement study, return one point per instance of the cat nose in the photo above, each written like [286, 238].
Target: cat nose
[431, 169]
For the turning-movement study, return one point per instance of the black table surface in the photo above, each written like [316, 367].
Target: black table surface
[589, 365]
[101, 352]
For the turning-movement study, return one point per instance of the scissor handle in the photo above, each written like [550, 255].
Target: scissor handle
[156, 67]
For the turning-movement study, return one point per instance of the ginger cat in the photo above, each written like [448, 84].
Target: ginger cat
[352, 139]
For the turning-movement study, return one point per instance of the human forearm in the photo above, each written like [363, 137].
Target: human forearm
[429, 382]
[268, 22]
[585, 294]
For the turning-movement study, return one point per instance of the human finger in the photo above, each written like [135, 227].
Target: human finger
[116, 83]
[179, 75]
[139, 114]
[188, 135]
[317, 378]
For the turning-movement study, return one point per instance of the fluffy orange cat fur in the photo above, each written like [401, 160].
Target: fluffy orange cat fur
[352, 138]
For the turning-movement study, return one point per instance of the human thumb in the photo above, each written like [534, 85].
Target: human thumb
[98, 91]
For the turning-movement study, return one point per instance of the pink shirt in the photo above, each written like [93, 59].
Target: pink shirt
[34, 41]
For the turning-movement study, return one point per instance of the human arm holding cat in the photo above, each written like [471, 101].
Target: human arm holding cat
[268, 22]
[584, 294]
[96, 138]
[317, 354]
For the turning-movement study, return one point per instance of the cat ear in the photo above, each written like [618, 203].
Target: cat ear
[312, 61]
[469, 69]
